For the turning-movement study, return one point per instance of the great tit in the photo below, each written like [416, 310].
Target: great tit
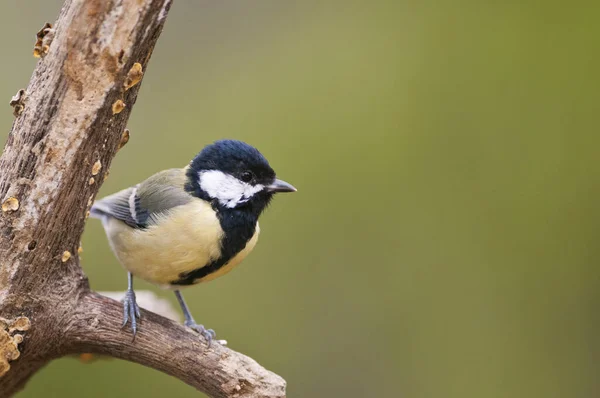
[184, 226]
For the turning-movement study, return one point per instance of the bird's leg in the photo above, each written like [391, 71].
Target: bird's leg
[131, 311]
[208, 334]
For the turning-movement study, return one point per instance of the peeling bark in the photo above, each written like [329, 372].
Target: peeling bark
[56, 157]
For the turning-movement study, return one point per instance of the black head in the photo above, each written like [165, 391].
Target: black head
[234, 175]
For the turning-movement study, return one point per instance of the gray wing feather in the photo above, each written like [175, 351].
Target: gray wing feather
[123, 205]
[142, 205]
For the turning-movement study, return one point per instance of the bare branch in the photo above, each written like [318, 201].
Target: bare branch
[70, 121]
[167, 346]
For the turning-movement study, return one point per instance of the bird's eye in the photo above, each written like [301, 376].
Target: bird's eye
[247, 176]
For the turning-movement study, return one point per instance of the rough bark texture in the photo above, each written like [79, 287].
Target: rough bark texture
[68, 128]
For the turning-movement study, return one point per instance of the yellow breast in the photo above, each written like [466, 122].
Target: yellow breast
[188, 239]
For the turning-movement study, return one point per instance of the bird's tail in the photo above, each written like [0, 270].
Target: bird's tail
[97, 212]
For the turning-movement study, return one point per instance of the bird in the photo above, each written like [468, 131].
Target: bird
[189, 225]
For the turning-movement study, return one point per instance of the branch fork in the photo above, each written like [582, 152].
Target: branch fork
[57, 155]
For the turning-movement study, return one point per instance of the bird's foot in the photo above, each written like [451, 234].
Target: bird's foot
[131, 311]
[208, 334]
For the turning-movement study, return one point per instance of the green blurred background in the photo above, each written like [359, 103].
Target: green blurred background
[444, 239]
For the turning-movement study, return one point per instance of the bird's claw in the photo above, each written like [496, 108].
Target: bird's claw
[208, 334]
[131, 311]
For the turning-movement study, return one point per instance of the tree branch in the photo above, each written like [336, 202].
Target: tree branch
[70, 121]
[169, 347]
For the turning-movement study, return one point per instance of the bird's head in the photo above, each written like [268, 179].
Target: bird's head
[234, 175]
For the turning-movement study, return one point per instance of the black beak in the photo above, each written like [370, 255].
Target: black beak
[280, 186]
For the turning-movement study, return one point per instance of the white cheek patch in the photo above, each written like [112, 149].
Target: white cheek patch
[227, 189]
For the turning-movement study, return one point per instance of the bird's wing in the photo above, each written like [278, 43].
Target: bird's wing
[142, 205]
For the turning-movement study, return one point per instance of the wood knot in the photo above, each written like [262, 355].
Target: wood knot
[134, 76]
[118, 106]
[9, 340]
[65, 256]
[96, 167]
[124, 139]
[43, 40]
[18, 102]
[10, 204]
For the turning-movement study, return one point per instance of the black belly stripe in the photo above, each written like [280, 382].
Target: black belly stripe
[238, 227]
[189, 278]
